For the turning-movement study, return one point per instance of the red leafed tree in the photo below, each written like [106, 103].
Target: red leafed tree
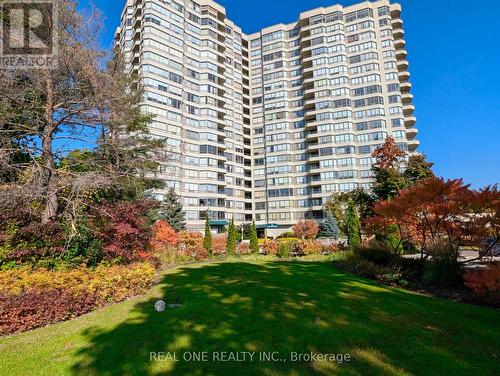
[164, 234]
[307, 229]
[436, 210]
[124, 230]
[389, 155]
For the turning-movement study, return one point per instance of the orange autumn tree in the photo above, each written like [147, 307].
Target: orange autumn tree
[164, 234]
[436, 210]
[387, 170]
[389, 155]
[307, 229]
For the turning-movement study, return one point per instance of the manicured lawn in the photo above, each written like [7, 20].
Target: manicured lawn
[251, 306]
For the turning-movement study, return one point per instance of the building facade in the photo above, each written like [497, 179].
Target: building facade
[268, 126]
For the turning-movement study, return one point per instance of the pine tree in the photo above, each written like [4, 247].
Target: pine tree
[207, 240]
[254, 242]
[330, 227]
[170, 211]
[353, 227]
[231, 238]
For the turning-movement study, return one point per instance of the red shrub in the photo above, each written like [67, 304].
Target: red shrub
[123, 228]
[164, 234]
[307, 229]
[307, 247]
[271, 247]
[219, 244]
[35, 308]
[332, 248]
[243, 248]
[483, 281]
[191, 243]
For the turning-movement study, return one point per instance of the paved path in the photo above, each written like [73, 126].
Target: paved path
[464, 255]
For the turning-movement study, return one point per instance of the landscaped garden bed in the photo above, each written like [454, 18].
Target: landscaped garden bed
[253, 304]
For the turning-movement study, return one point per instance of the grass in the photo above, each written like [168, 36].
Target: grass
[250, 305]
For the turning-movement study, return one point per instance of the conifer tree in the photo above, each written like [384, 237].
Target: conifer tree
[254, 242]
[231, 238]
[353, 227]
[170, 211]
[207, 240]
[330, 226]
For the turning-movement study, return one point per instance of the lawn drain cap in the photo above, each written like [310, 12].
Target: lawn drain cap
[160, 306]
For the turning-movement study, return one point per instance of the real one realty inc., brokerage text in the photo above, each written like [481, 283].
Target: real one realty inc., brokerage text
[246, 356]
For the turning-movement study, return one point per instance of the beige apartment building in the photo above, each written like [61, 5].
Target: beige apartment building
[267, 126]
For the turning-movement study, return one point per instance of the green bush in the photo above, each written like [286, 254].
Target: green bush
[288, 240]
[375, 254]
[342, 256]
[285, 249]
[288, 234]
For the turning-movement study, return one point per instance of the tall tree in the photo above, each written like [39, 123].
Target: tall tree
[387, 182]
[339, 202]
[170, 211]
[306, 229]
[353, 227]
[418, 169]
[57, 104]
[231, 238]
[46, 112]
[330, 227]
[126, 149]
[389, 155]
[207, 240]
[254, 241]
[387, 170]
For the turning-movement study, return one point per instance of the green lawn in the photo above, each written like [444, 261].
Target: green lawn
[266, 306]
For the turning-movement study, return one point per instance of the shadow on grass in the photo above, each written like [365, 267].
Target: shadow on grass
[297, 307]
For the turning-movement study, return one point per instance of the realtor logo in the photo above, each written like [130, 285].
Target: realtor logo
[29, 34]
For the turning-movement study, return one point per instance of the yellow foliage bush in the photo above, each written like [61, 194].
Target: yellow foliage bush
[110, 284]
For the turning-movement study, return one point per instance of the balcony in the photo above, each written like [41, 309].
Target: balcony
[401, 54]
[410, 121]
[413, 145]
[411, 133]
[311, 136]
[399, 43]
[408, 109]
[398, 33]
[407, 98]
[404, 76]
[395, 10]
[397, 23]
[403, 65]
[405, 87]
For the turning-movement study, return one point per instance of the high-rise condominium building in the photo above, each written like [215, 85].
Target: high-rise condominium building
[267, 126]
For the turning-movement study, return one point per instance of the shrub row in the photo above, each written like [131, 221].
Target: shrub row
[110, 231]
[483, 281]
[30, 299]
[286, 246]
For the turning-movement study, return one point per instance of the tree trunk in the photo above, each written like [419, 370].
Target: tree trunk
[51, 190]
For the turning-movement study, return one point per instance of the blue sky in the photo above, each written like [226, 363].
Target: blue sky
[454, 54]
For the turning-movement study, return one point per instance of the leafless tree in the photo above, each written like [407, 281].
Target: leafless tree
[47, 114]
